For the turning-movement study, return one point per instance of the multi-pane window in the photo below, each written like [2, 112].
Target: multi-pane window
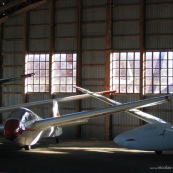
[64, 73]
[159, 72]
[158, 76]
[39, 65]
[125, 72]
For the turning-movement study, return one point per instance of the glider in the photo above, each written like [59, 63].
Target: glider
[156, 136]
[26, 128]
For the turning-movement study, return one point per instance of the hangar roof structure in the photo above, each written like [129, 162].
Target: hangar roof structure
[10, 8]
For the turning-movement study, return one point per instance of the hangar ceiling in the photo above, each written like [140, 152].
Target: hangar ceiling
[10, 8]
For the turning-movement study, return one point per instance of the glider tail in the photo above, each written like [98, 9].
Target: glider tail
[57, 131]
[55, 109]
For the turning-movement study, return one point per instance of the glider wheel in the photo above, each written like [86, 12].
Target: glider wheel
[27, 147]
[158, 152]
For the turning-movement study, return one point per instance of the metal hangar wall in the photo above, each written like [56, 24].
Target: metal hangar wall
[93, 30]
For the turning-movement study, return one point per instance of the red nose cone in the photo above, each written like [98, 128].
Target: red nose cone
[11, 129]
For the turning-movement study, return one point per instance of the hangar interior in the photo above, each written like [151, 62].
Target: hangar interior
[126, 45]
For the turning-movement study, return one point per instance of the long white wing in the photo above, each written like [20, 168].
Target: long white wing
[42, 102]
[74, 117]
[49, 101]
[135, 112]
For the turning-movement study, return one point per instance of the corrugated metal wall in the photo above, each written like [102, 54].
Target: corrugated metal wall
[93, 61]
[37, 22]
[94, 43]
[12, 60]
[123, 121]
[163, 111]
[159, 25]
[66, 42]
[126, 25]
[39, 30]
[66, 26]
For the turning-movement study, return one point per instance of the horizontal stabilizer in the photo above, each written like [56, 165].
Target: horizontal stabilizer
[5, 80]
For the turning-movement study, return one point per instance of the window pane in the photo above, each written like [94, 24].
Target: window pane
[170, 88]
[63, 65]
[136, 89]
[130, 88]
[42, 57]
[63, 57]
[137, 81]
[123, 89]
[149, 64]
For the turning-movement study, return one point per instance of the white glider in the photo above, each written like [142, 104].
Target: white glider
[156, 136]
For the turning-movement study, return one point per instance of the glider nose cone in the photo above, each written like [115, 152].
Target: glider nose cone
[127, 140]
[119, 139]
[11, 129]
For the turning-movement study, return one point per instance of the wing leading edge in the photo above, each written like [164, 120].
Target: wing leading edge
[135, 112]
[49, 101]
[71, 118]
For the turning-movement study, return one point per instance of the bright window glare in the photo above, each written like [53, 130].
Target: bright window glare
[39, 65]
[159, 72]
[64, 73]
[125, 72]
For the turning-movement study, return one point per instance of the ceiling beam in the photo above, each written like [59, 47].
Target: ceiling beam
[11, 4]
[23, 10]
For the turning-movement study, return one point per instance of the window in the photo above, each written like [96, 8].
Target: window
[159, 72]
[64, 73]
[158, 76]
[125, 72]
[38, 64]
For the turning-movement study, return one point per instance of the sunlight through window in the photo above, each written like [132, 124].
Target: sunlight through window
[64, 73]
[125, 72]
[39, 65]
[159, 72]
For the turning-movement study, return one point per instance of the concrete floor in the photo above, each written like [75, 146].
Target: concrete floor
[75, 156]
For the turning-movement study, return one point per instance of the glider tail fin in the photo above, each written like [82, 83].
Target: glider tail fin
[55, 109]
